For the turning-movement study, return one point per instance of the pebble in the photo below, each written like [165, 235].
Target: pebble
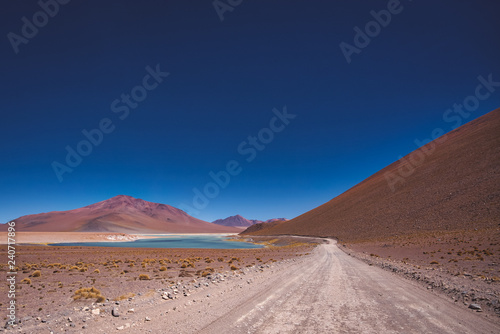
[115, 312]
[96, 311]
[476, 307]
[147, 319]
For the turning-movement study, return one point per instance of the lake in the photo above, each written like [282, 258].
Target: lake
[172, 241]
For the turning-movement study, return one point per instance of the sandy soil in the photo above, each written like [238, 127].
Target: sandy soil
[117, 273]
[59, 237]
[463, 265]
[319, 291]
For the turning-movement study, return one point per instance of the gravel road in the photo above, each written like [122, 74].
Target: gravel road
[325, 292]
[335, 293]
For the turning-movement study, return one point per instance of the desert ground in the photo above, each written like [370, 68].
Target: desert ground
[297, 285]
[56, 282]
[462, 265]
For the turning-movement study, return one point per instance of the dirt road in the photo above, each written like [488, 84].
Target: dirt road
[325, 292]
[336, 293]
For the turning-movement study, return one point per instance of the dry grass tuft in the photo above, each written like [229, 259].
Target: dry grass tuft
[26, 280]
[144, 277]
[36, 273]
[89, 293]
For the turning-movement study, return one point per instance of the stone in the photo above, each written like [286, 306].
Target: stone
[476, 307]
[115, 312]
[96, 311]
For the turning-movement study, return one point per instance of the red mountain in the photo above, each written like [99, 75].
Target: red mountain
[239, 221]
[450, 184]
[122, 214]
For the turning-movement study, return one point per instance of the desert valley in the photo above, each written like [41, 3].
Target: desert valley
[419, 258]
[250, 167]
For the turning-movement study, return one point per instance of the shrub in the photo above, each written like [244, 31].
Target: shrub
[233, 267]
[144, 277]
[97, 271]
[434, 262]
[26, 280]
[36, 273]
[163, 268]
[88, 293]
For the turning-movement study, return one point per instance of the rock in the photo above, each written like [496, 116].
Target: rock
[167, 295]
[120, 328]
[147, 319]
[69, 319]
[475, 307]
[96, 311]
[114, 312]
[131, 310]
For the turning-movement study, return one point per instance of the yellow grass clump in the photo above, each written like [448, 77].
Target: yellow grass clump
[89, 293]
[26, 280]
[36, 273]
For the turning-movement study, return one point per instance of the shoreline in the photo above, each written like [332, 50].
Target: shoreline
[48, 238]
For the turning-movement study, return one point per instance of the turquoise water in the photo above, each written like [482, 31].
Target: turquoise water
[179, 241]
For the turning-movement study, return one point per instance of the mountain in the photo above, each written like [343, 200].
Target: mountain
[239, 221]
[123, 214]
[450, 184]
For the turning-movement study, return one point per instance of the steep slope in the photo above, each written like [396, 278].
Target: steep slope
[118, 214]
[452, 183]
[239, 221]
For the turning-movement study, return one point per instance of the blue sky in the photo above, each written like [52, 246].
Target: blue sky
[225, 78]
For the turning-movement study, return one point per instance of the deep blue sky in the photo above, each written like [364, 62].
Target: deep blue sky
[225, 79]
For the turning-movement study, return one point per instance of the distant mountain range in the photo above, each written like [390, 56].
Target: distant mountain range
[450, 184]
[239, 221]
[121, 214]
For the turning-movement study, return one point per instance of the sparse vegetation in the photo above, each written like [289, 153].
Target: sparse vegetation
[89, 293]
[144, 277]
[36, 273]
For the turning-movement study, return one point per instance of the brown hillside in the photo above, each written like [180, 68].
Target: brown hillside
[122, 214]
[454, 185]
